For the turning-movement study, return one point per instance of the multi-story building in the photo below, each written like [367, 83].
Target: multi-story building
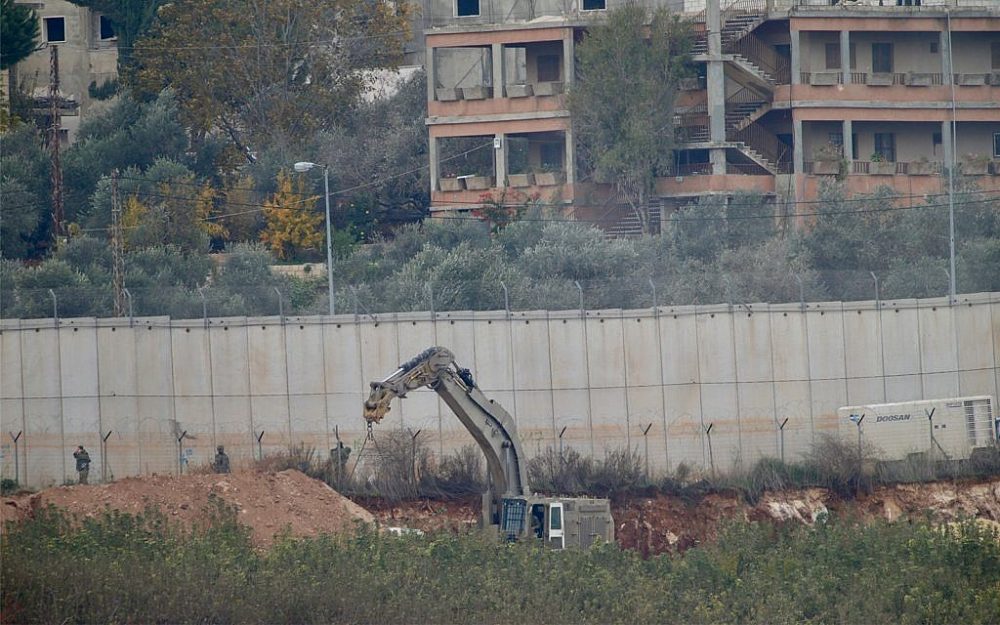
[788, 92]
[88, 59]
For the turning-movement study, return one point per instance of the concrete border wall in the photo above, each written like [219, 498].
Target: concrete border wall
[603, 375]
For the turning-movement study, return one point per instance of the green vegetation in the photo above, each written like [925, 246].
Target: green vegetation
[711, 252]
[121, 569]
[622, 104]
[19, 30]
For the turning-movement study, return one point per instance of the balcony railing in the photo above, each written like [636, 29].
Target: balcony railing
[877, 168]
[888, 5]
[911, 79]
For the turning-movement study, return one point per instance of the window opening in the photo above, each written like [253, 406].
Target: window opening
[55, 29]
[551, 156]
[594, 5]
[106, 29]
[548, 67]
[512, 521]
[466, 8]
[538, 520]
[833, 56]
[555, 517]
[885, 146]
[882, 58]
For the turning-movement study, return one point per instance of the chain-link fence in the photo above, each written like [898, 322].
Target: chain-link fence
[410, 294]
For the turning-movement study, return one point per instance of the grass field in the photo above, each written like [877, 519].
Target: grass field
[128, 569]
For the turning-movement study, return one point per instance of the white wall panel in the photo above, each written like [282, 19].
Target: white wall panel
[902, 350]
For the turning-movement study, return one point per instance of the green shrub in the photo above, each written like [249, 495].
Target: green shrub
[119, 568]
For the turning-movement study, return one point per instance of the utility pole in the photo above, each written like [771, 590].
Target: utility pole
[55, 128]
[117, 248]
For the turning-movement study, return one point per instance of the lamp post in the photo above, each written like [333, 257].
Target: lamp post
[302, 167]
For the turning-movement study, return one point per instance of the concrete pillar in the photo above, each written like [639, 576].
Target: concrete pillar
[496, 63]
[716, 101]
[796, 57]
[716, 77]
[946, 142]
[845, 55]
[798, 164]
[570, 157]
[500, 157]
[945, 47]
[430, 74]
[713, 27]
[848, 143]
[569, 57]
[435, 166]
[717, 156]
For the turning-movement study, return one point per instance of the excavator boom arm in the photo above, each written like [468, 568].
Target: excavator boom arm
[490, 425]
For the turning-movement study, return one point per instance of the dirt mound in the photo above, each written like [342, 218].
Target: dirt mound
[267, 503]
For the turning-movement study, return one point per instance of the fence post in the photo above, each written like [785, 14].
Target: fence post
[506, 298]
[17, 456]
[580, 289]
[128, 296]
[652, 285]
[430, 298]
[55, 306]
[857, 422]
[645, 440]
[281, 305]
[413, 456]
[204, 305]
[104, 456]
[180, 452]
[781, 430]
[802, 292]
[354, 299]
[711, 456]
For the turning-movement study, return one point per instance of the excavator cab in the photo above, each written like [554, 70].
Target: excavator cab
[581, 521]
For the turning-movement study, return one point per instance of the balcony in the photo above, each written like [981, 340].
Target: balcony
[497, 79]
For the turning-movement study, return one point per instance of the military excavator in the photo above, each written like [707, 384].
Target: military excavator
[508, 503]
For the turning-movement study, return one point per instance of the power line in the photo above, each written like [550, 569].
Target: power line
[256, 208]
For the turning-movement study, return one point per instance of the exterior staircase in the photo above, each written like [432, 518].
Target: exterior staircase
[623, 223]
[739, 19]
[758, 68]
[762, 147]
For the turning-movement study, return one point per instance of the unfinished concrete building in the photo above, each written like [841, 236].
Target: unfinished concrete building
[787, 93]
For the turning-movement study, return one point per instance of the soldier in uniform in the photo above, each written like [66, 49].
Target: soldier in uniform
[82, 463]
[221, 464]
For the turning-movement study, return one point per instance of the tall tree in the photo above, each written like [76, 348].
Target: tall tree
[18, 32]
[292, 225]
[369, 151]
[131, 19]
[623, 101]
[269, 71]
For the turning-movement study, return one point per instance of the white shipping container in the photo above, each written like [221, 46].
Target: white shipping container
[954, 426]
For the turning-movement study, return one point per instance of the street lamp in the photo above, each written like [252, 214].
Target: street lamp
[302, 167]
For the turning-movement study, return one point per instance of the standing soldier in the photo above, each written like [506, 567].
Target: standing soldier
[82, 463]
[221, 464]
